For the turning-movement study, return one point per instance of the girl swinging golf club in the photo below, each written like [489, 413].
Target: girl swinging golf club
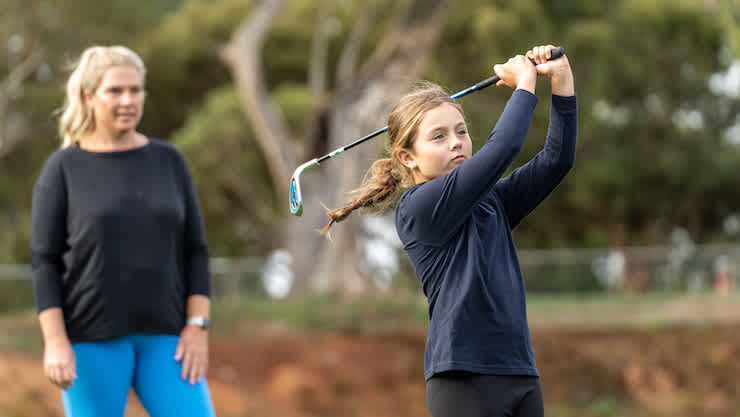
[455, 219]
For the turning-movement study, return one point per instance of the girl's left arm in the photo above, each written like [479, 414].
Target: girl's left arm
[527, 186]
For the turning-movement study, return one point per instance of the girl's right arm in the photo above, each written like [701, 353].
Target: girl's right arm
[434, 210]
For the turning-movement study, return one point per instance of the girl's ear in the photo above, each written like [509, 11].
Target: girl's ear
[406, 158]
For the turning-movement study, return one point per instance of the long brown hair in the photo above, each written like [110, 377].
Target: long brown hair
[387, 178]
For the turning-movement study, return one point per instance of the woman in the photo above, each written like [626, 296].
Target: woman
[120, 262]
[455, 222]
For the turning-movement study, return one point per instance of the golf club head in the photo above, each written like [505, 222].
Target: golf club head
[296, 199]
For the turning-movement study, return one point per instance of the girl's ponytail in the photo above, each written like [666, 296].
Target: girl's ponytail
[381, 187]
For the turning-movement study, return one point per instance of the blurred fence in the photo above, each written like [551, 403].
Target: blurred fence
[684, 267]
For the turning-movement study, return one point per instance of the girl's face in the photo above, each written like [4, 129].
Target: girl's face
[442, 144]
[118, 102]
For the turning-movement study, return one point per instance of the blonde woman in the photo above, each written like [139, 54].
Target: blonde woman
[120, 262]
[455, 219]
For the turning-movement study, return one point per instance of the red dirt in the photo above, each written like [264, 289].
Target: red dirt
[678, 371]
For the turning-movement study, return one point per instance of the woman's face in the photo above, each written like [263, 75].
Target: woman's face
[118, 102]
[442, 144]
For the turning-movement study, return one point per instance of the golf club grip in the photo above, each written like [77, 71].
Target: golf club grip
[554, 54]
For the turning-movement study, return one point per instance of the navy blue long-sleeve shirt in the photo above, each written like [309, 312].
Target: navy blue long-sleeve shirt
[117, 241]
[457, 228]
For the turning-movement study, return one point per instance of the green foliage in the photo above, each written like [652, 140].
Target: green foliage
[639, 65]
[637, 169]
[728, 12]
[182, 54]
[230, 174]
[296, 104]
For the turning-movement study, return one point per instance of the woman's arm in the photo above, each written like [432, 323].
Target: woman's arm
[48, 239]
[59, 358]
[192, 346]
[197, 273]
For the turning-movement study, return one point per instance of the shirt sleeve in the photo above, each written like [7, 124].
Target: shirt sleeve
[197, 272]
[48, 235]
[432, 211]
[526, 187]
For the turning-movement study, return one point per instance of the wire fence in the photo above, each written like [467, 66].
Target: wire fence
[682, 267]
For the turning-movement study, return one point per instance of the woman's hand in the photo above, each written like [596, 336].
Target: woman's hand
[558, 70]
[59, 363]
[192, 350]
[517, 72]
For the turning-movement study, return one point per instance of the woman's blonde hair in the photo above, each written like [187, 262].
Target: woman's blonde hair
[77, 117]
[387, 178]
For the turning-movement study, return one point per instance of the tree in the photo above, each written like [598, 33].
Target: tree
[25, 54]
[356, 106]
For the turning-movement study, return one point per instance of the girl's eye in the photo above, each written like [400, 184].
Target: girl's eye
[462, 132]
[438, 137]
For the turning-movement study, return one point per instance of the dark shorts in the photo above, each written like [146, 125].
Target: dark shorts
[465, 394]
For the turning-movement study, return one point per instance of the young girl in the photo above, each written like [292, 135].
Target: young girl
[455, 222]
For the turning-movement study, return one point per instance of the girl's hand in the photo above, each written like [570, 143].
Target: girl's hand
[517, 72]
[558, 70]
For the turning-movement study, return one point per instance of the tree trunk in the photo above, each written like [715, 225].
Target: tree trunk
[359, 107]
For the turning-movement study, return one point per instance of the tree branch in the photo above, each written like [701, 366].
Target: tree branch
[351, 52]
[9, 88]
[243, 56]
[317, 72]
[406, 47]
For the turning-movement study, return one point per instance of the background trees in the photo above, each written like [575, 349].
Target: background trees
[656, 145]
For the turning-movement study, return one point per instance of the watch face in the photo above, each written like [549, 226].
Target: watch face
[202, 322]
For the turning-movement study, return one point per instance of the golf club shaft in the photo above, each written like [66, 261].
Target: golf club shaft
[556, 53]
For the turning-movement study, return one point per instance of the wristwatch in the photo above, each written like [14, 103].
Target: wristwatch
[200, 321]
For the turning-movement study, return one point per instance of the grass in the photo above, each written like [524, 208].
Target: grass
[408, 310]
[653, 310]
[328, 312]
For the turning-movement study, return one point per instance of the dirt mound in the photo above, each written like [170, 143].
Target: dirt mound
[686, 371]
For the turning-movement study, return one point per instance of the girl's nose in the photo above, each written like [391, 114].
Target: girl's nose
[456, 142]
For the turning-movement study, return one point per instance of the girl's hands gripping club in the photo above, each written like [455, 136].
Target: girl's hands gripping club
[518, 71]
[558, 70]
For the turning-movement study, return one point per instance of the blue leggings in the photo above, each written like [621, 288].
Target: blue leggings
[107, 370]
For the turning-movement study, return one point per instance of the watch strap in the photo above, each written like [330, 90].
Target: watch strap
[200, 321]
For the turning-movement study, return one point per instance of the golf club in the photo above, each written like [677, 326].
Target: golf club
[296, 199]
